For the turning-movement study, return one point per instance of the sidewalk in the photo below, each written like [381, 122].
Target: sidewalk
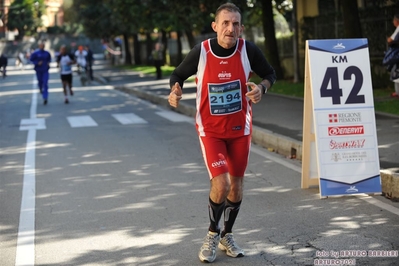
[277, 119]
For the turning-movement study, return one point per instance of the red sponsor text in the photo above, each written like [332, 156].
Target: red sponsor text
[345, 130]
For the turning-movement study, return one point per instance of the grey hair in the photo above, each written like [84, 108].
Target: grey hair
[229, 7]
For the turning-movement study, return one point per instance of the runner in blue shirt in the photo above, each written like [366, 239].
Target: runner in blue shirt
[41, 59]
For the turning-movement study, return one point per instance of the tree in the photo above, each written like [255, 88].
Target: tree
[25, 16]
[100, 19]
[271, 48]
[350, 13]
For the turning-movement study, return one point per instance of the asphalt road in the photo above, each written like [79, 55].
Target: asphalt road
[110, 179]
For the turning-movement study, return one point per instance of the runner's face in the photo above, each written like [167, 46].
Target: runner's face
[228, 28]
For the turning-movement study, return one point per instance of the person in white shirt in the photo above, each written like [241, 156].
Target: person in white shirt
[65, 62]
[81, 55]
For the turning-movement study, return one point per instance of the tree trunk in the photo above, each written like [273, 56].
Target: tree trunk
[128, 55]
[165, 44]
[271, 48]
[190, 37]
[179, 48]
[295, 42]
[350, 13]
[136, 49]
[149, 46]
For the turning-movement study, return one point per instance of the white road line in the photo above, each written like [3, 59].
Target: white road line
[81, 121]
[25, 251]
[365, 197]
[129, 118]
[25, 254]
[175, 117]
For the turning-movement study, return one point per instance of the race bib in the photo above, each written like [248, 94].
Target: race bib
[225, 98]
[66, 68]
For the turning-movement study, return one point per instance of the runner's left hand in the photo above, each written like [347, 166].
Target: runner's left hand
[255, 95]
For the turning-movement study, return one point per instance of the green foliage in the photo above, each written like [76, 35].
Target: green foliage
[25, 16]
[390, 106]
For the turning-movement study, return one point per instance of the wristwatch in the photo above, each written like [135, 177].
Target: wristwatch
[263, 87]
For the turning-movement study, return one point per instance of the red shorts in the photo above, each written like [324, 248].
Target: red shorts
[225, 155]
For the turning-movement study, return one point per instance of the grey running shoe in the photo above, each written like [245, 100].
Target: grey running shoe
[207, 252]
[228, 244]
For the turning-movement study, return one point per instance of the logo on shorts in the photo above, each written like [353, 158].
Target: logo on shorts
[219, 163]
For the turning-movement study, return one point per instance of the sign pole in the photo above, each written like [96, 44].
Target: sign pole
[308, 139]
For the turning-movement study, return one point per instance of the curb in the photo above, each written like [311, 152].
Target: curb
[390, 185]
[280, 144]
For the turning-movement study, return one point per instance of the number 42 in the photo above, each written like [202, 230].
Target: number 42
[335, 92]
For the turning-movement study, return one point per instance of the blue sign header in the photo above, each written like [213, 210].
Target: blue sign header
[338, 46]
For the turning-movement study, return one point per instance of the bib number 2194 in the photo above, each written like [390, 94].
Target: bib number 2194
[335, 92]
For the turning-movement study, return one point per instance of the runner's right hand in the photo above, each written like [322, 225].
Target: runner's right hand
[175, 95]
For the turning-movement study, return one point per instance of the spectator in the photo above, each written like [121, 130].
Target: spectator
[157, 58]
[3, 64]
[393, 42]
[20, 62]
[80, 56]
[89, 61]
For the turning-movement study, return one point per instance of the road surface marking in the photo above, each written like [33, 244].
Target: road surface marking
[81, 121]
[25, 251]
[175, 117]
[32, 123]
[129, 118]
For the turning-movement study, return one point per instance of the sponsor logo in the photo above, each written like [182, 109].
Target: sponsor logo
[224, 62]
[349, 144]
[219, 163]
[345, 130]
[333, 118]
[355, 156]
[224, 75]
[236, 128]
[217, 89]
[352, 189]
[339, 46]
[335, 157]
[349, 156]
[345, 118]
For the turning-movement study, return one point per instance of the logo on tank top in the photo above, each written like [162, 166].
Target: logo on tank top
[224, 62]
[224, 75]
